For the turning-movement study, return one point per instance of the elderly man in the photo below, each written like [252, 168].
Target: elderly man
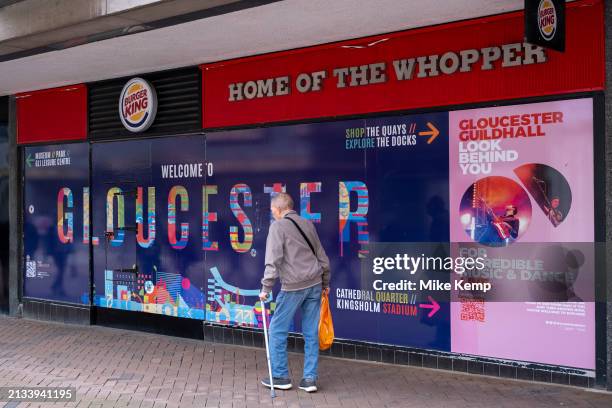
[294, 255]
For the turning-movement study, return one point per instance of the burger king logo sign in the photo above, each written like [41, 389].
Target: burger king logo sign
[547, 19]
[137, 105]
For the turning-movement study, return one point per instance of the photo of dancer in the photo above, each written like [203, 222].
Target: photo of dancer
[495, 211]
[549, 188]
[555, 216]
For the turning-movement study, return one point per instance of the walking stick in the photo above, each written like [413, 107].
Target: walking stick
[265, 327]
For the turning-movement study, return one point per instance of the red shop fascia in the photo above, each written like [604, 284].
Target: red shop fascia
[480, 61]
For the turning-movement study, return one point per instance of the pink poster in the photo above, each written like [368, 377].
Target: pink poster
[521, 195]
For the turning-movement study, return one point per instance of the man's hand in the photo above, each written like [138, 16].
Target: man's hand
[326, 291]
[263, 296]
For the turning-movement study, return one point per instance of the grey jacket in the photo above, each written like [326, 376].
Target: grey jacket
[289, 257]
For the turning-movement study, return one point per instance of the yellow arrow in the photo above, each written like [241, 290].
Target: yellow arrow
[433, 133]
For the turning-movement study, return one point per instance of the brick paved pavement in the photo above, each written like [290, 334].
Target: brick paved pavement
[118, 368]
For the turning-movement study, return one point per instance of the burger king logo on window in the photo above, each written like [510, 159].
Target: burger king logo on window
[547, 19]
[137, 105]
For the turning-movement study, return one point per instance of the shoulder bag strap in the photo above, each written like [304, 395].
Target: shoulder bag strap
[303, 235]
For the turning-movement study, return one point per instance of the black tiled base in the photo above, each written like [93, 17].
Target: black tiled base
[445, 363]
[388, 356]
[491, 369]
[361, 352]
[460, 365]
[507, 371]
[375, 354]
[404, 356]
[542, 375]
[336, 350]
[430, 361]
[579, 381]
[475, 367]
[560, 378]
[415, 359]
[524, 373]
[349, 351]
[56, 312]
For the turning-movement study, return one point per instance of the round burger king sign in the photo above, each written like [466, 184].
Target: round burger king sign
[547, 19]
[137, 105]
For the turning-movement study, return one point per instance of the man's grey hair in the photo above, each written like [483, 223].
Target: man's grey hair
[282, 201]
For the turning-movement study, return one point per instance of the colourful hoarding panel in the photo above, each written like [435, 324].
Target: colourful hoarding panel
[147, 231]
[56, 223]
[359, 182]
[521, 192]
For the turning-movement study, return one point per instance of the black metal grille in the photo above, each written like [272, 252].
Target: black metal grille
[179, 103]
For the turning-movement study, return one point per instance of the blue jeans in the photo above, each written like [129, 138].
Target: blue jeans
[287, 303]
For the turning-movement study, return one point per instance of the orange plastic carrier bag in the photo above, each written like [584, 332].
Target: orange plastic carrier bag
[326, 325]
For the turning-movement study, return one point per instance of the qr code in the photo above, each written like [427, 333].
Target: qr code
[30, 269]
[472, 309]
